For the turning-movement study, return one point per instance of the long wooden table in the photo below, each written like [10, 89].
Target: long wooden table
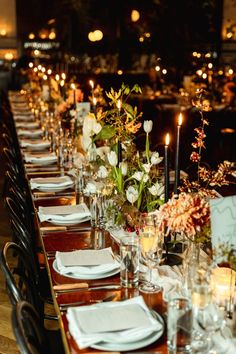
[74, 239]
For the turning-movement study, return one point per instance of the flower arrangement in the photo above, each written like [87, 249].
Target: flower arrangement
[137, 181]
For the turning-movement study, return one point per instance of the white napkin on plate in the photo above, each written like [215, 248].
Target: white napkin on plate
[78, 212]
[86, 262]
[31, 125]
[40, 158]
[39, 143]
[30, 132]
[112, 322]
[51, 182]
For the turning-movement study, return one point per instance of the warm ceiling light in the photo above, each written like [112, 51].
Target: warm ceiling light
[194, 54]
[199, 72]
[220, 72]
[157, 68]
[52, 35]
[135, 15]
[141, 39]
[204, 75]
[49, 71]
[3, 32]
[63, 76]
[45, 77]
[9, 56]
[91, 37]
[147, 34]
[229, 35]
[43, 69]
[39, 67]
[36, 52]
[164, 71]
[98, 35]
[208, 55]
[57, 77]
[31, 65]
[31, 35]
[35, 69]
[230, 71]
[210, 65]
[120, 72]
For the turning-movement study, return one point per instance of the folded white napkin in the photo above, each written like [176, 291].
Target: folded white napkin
[39, 143]
[40, 158]
[30, 125]
[24, 118]
[30, 133]
[113, 322]
[86, 262]
[64, 213]
[117, 234]
[51, 182]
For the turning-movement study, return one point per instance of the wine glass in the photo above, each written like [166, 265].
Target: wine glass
[151, 242]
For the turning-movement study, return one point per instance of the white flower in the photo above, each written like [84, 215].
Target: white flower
[157, 189]
[155, 158]
[147, 126]
[72, 112]
[102, 152]
[138, 175]
[112, 158]
[132, 194]
[102, 172]
[147, 167]
[96, 128]
[124, 168]
[86, 142]
[90, 188]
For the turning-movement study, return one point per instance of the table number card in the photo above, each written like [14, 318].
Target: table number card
[223, 224]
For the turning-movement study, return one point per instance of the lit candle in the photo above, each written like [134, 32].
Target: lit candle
[177, 169]
[91, 83]
[119, 148]
[166, 167]
[74, 92]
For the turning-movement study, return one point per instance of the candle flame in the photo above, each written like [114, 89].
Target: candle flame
[180, 121]
[91, 83]
[62, 83]
[63, 76]
[167, 141]
[94, 101]
[73, 86]
[45, 77]
[119, 104]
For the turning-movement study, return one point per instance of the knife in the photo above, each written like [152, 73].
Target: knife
[102, 287]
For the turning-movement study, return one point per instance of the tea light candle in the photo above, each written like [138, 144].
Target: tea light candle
[223, 284]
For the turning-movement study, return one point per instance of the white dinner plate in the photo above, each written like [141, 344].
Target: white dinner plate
[69, 222]
[137, 344]
[42, 162]
[86, 276]
[54, 188]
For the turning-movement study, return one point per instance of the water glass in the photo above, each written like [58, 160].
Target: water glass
[179, 326]
[96, 210]
[129, 261]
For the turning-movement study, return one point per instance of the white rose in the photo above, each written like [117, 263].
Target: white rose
[132, 194]
[90, 188]
[102, 172]
[124, 168]
[147, 126]
[112, 158]
[155, 158]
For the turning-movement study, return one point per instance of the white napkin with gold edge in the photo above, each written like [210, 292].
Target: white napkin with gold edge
[78, 212]
[113, 322]
[51, 182]
[86, 261]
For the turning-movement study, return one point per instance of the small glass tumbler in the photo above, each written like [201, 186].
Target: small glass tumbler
[179, 326]
[129, 261]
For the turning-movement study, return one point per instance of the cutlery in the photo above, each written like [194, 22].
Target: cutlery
[102, 287]
[44, 229]
[70, 304]
[51, 194]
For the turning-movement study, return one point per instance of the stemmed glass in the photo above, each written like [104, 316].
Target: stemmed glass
[151, 242]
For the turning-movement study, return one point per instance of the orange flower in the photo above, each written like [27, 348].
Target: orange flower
[131, 128]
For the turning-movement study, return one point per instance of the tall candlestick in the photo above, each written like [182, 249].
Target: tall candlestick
[94, 105]
[119, 147]
[177, 168]
[74, 92]
[92, 88]
[166, 167]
